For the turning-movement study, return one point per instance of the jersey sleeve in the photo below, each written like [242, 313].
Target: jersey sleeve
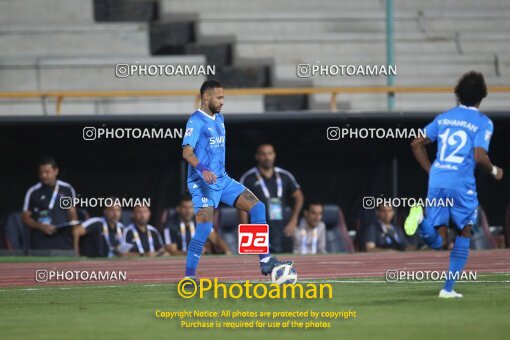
[370, 234]
[292, 185]
[483, 136]
[158, 240]
[70, 192]
[92, 224]
[431, 130]
[193, 131]
[166, 236]
[27, 203]
[321, 246]
[128, 236]
[174, 235]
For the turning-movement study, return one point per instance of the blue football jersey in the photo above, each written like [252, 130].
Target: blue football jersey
[206, 135]
[457, 132]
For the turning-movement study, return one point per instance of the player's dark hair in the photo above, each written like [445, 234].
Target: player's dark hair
[308, 204]
[471, 88]
[209, 84]
[48, 161]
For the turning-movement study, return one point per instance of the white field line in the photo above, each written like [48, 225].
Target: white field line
[313, 281]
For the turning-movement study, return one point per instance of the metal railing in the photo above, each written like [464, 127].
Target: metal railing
[59, 96]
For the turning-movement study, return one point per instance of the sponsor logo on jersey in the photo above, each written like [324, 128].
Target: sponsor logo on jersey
[217, 140]
[488, 136]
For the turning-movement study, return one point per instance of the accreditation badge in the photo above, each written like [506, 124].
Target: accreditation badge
[44, 217]
[275, 209]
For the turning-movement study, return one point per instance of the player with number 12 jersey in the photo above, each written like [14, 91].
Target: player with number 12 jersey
[463, 135]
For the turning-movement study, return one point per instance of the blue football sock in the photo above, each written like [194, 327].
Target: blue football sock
[196, 246]
[430, 235]
[258, 216]
[458, 258]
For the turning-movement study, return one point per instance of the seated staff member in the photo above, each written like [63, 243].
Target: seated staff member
[100, 236]
[143, 238]
[310, 235]
[50, 223]
[180, 229]
[382, 234]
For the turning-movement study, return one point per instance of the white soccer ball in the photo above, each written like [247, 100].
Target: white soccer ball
[284, 274]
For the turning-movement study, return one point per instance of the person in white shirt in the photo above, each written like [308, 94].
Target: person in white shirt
[310, 235]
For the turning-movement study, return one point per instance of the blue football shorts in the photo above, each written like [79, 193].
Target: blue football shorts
[463, 211]
[203, 196]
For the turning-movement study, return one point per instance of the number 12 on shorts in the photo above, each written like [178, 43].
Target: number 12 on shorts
[253, 239]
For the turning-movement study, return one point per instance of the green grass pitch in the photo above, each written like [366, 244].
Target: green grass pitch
[408, 310]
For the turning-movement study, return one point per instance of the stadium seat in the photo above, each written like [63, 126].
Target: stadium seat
[15, 233]
[228, 221]
[363, 220]
[164, 217]
[482, 237]
[82, 214]
[337, 236]
[125, 217]
[506, 230]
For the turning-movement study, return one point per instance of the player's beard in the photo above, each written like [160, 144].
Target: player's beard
[214, 109]
[267, 165]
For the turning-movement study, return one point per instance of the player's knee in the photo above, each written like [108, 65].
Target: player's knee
[205, 215]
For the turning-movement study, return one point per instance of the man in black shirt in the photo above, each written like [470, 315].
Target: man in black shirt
[143, 238]
[50, 223]
[382, 234]
[180, 228]
[100, 236]
[274, 186]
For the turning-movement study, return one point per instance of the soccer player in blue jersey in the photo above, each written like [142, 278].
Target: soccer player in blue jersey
[208, 182]
[463, 135]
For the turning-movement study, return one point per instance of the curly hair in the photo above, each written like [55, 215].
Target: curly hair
[471, 88]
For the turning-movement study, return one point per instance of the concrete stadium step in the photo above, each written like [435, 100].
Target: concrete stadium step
[404, 70]
[487, 27]
[339, 37]
[295, 14]
[125, 10]
[92, 74]
[299, 26]
[77, 40]
[409, 101]
[451, 4]
[303, 25]
[421, 81]
[52, 12]
[427, 59]
[269, 5]
[223, 5]
[317, 49]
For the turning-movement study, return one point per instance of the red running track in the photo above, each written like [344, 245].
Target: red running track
[233, 268]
